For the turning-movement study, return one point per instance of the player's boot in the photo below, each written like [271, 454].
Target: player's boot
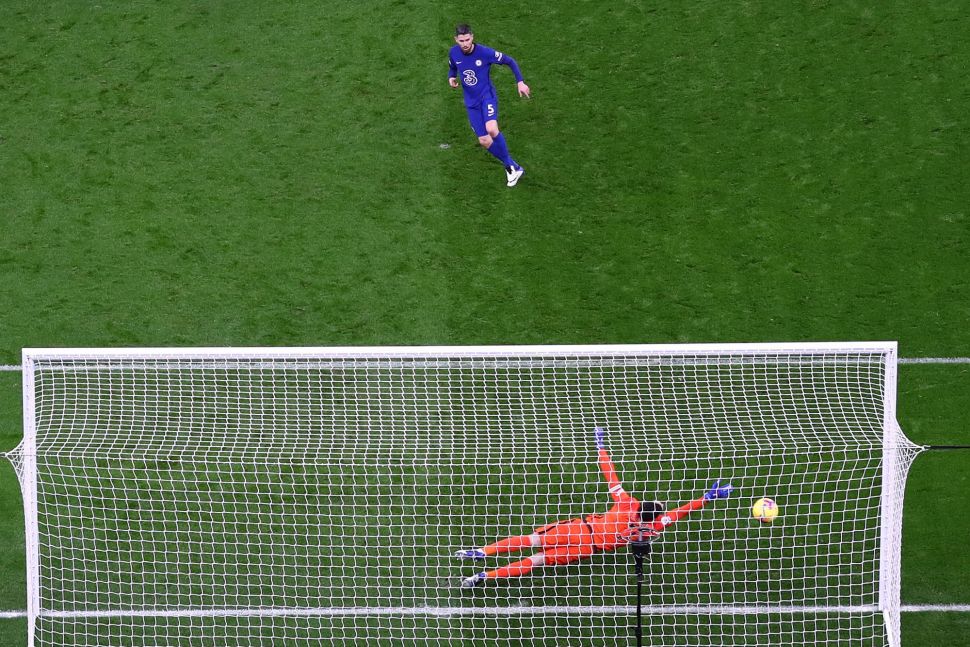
[513, 173]
[474, 580]
[471, 553]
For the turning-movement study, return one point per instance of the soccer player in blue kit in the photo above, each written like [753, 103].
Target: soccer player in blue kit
[471, 62]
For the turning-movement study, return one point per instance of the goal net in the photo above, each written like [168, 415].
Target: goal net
[295, 496]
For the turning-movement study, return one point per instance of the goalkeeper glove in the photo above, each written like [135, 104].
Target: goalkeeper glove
[600, 434]
[718, 491]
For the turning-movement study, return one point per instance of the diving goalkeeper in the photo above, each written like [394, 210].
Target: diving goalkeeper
[565, 542]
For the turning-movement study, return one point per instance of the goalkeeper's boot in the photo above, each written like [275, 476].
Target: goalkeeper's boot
[471, 553]
[513, 173]
[473, 580]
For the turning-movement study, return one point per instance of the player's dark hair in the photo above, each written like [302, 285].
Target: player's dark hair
[650, 510]
[462, 29]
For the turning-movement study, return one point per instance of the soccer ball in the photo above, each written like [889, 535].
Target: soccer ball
[764, 510]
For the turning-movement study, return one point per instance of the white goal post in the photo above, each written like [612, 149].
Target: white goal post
[267, 496]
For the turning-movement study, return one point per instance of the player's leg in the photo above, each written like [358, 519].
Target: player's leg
[513, 544]
[553, 557]
[515, 569]
[557, 533]
[500, 150]
[572, 532]
[476, 117]
[508, 545]
[484, 121]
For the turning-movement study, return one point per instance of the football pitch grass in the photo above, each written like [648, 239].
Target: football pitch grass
[251, 174]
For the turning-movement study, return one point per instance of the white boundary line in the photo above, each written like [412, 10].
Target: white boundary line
[498, 611]
[955, 608]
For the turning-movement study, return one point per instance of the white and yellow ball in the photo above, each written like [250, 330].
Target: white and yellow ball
[764, 510]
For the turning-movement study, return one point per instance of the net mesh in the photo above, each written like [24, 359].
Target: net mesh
[259, 500]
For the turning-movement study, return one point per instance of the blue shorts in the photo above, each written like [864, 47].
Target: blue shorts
[487, 110]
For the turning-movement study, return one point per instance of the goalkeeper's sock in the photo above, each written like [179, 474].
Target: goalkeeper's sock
[500, 150]
[515, 569]
[509, 545]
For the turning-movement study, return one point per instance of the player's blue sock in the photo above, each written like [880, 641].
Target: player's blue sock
[500, 150]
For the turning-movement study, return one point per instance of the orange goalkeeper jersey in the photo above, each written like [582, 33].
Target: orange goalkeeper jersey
[610, 528]
[614, 527]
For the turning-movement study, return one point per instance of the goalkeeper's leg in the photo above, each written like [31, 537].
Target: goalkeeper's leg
[513, 544]
[553, 557]
[569, 531]
[509, 545]
[515, 569]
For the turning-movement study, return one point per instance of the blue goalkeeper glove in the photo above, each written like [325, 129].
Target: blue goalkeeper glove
[600, 434]
[718, 491]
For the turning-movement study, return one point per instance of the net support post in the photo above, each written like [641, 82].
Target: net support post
[28, 484]
[894, 466]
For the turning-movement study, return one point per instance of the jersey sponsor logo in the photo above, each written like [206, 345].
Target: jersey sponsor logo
[469, 78]
[498, 56]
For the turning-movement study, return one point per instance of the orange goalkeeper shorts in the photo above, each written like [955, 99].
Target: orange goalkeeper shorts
[565, 542]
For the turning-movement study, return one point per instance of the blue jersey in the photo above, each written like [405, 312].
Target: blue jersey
[472, 71]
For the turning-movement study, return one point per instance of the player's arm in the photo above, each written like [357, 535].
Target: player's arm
[717, 491]
[452, 73]
[607, 467]
[505, 59]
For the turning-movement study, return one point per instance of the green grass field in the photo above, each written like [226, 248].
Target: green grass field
[212, 173]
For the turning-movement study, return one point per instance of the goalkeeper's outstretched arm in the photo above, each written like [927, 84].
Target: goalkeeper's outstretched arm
[717, 491]
[607, 467]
